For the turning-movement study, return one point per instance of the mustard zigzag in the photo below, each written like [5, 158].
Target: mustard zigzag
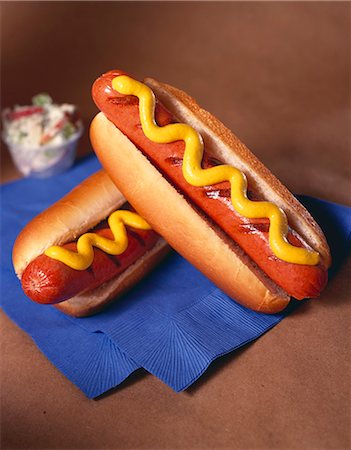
[196, 176]
[84, 256]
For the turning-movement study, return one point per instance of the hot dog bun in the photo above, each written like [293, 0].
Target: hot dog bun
[183, 225]
[80, 210]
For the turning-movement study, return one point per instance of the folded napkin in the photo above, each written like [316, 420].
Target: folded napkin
[174, 323]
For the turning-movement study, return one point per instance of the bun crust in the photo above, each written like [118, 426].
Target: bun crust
[180, 224]
[81, 209]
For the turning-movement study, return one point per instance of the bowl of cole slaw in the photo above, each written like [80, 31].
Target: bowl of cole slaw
[42, 138]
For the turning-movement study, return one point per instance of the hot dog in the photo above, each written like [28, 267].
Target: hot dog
[69, 280]
[240, 226]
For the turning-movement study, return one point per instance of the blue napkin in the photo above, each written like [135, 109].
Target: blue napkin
[174, 323]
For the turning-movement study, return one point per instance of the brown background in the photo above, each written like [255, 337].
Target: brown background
[278, 74]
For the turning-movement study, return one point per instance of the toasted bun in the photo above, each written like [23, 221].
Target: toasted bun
[81, 209]
[180, 224]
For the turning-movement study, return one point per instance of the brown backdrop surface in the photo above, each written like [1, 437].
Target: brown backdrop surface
[278, 74]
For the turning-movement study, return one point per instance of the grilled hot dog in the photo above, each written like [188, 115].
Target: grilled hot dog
[83, 291]
[248, 238]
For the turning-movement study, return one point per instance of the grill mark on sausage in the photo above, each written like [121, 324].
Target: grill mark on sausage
[214, 193]
[208, 161]
[212, 161]
[124, 100]
[174, 161]
[252, 227]
[137, 237]
[114, 259]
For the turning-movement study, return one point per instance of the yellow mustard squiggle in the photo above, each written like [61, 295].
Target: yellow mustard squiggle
[84, 256]
[196, 176]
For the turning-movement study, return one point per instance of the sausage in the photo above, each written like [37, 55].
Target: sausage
[299, 281]
[48, 281]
